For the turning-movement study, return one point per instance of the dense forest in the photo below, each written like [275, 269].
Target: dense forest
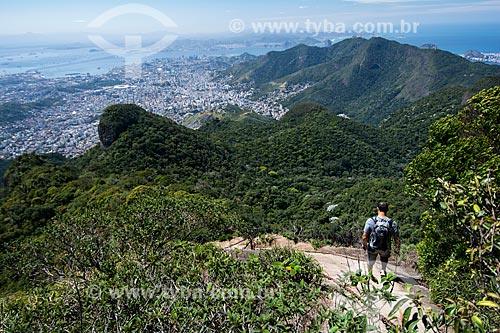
[84, 238]
[283, 175]
[118, 239]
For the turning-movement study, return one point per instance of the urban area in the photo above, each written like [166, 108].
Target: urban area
[62, 114]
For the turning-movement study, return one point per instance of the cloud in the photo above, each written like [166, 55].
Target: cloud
[79, 21]
[482, 6]
[489, 6]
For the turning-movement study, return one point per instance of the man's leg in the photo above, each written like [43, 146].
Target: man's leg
[372, 257]
[384, 259]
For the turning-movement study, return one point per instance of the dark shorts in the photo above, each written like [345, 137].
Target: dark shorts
[384, 255]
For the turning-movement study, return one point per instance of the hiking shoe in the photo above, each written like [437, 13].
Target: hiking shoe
[383, 274]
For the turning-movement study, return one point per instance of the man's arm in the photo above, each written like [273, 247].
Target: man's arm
[396, 244]
[364, 240]
[366, 233]
[396, 237]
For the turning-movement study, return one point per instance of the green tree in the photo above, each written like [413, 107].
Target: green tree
[458, 175]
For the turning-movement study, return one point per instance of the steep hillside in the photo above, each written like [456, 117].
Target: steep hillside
[138, 148]
[133, 139]
[125, 247]
[410, 125]
[4, 164]
[229, 112]
[365, 79]
[289, 171]
[309, 140]
[281, 175]
[275, 64]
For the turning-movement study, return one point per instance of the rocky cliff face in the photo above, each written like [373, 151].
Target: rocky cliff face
[115, 120]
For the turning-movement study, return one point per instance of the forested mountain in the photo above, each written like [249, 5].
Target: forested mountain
[366, 79]
[4, 164]
[308, 140]
[282, 173]
[410, 124]
[112, 239]
[135, 140]
[134, 211]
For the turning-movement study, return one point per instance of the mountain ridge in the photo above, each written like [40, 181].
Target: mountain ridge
[365, 79]
[271, 168]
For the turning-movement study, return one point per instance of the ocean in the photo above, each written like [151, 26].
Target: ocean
[60, 62]
[457, 39]
[57, 61]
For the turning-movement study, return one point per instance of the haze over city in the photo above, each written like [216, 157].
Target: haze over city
[201, 17]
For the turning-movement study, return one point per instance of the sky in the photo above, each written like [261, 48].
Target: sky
[187, 17]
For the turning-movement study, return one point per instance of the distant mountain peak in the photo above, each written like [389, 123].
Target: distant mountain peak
[301, 110]
[365, 79]
[115, 120]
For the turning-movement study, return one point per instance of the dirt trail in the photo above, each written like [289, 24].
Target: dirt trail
[334, 260]
[338, 260]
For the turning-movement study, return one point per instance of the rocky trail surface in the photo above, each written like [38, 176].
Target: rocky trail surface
[336, 262]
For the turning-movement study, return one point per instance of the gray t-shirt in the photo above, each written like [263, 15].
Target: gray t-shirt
[370, 226]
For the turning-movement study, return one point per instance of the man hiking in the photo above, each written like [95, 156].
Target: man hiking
[377, 235]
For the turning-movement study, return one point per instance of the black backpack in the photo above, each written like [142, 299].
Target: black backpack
[380, 238]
